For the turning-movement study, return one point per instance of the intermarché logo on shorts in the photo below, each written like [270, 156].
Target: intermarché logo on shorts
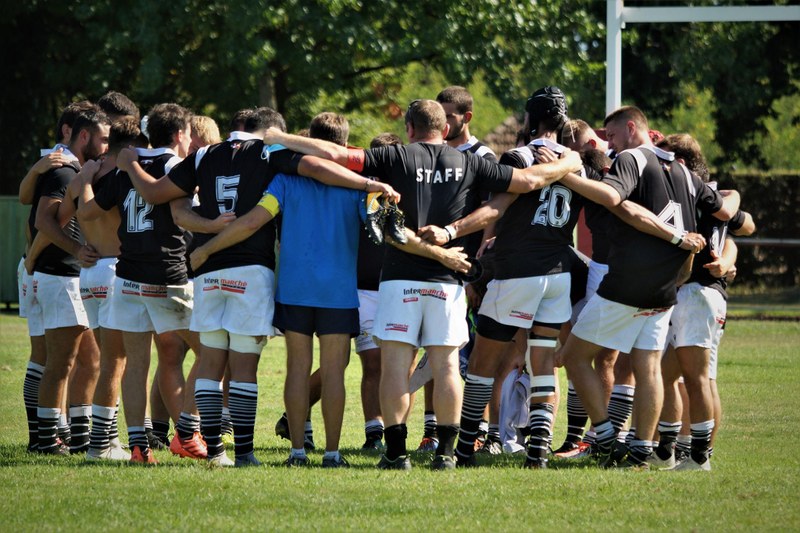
[435, 293]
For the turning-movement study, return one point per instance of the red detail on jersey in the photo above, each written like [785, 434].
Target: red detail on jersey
[410, 300]
[520, 315]
[355, 159]
[397, 327]
[651, 312]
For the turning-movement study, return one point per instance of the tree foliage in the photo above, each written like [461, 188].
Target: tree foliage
[296, 55]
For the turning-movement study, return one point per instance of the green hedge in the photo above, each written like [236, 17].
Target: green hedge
[773, 198]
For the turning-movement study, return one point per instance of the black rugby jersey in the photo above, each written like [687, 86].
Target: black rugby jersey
[53, 260]
[152, 247]
[642, 268]
[370, 259]
[439, 185]
[232, 177]
[715, 231]
[474, 146]
[535, 233]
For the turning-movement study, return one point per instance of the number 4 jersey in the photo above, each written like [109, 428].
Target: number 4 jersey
[152, 247]
[642, 268]
[534, 234]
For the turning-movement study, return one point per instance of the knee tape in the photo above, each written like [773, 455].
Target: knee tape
[538, 341]
[542, 386]
[215, 339]
[247, 343]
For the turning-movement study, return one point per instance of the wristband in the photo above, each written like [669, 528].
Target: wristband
[355, 159]
[451, 232]
[677, 239]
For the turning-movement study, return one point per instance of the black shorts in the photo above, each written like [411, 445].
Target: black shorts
[319, 320]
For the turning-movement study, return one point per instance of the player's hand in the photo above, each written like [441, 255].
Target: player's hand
[29, 264]
[89, 170]
[558, 360]
[545, 155]
[730, 275]
[197, 258]
[125, 158]
[485, 245]
[573, 159]
[718, 267]
[52, 160]
[693, 242]
[434, 235]
[385, 190]
[272, 136]
[219, 223]
[87, 255]
[455, 259]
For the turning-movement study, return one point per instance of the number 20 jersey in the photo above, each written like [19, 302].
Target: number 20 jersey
[152, 247]
[534, 234]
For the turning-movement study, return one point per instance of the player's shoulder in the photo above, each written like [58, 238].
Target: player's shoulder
[519, 157]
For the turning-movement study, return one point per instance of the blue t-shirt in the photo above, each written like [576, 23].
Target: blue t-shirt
[318, 242]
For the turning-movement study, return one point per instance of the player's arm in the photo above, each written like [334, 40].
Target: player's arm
[40, 242]
[452, 258]
[47, 224]
[306, 145]
[730, 205]
[722, 264]
[88, 208]
[742, 224]
[489, 212]
[153, 191]
[685, 271]
[238, 230]
[538, 176]
[336, 175]
[646, 221]
[184, 216]
[596, 191]
[27, 186]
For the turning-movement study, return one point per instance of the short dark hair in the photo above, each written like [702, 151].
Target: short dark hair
[331, 127]
[117, 105]
[89, 120]
[628, 113]
[164, 121]
[239, 118]
[427, 116]
[69, 114]
[458, 96]
[597, 160]
[262, 118]
[124, 132]
[385, 139]
[687, 148]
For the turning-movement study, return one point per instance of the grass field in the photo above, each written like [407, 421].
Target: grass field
[755, 484]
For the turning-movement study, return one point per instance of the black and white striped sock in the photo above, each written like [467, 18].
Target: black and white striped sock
[668, 436]
[477, 393]
[243, 403]
[113, 431]
[639, 450]
[227, 425]
[138, 437]
[576, 415]
[30, 395]
[80, 417]
[429, 430]
[102, 418]
[620, 406]
[47, 427]
[540, 422]
[208, 397]
[187, 425]
[701, 440]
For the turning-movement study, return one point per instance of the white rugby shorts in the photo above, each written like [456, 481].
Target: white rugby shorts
[239, 300]
[621, 327]
[97, 284]
[520, 301]
[597, 271]
[29, 306]
[698, 316]
[141, 307]
[421, 313]
[367, 307]
[60, 300]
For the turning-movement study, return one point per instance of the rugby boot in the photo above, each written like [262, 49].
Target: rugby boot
[395, 224]
[376, 218]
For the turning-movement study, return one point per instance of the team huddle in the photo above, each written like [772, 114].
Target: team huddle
[154, 229]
